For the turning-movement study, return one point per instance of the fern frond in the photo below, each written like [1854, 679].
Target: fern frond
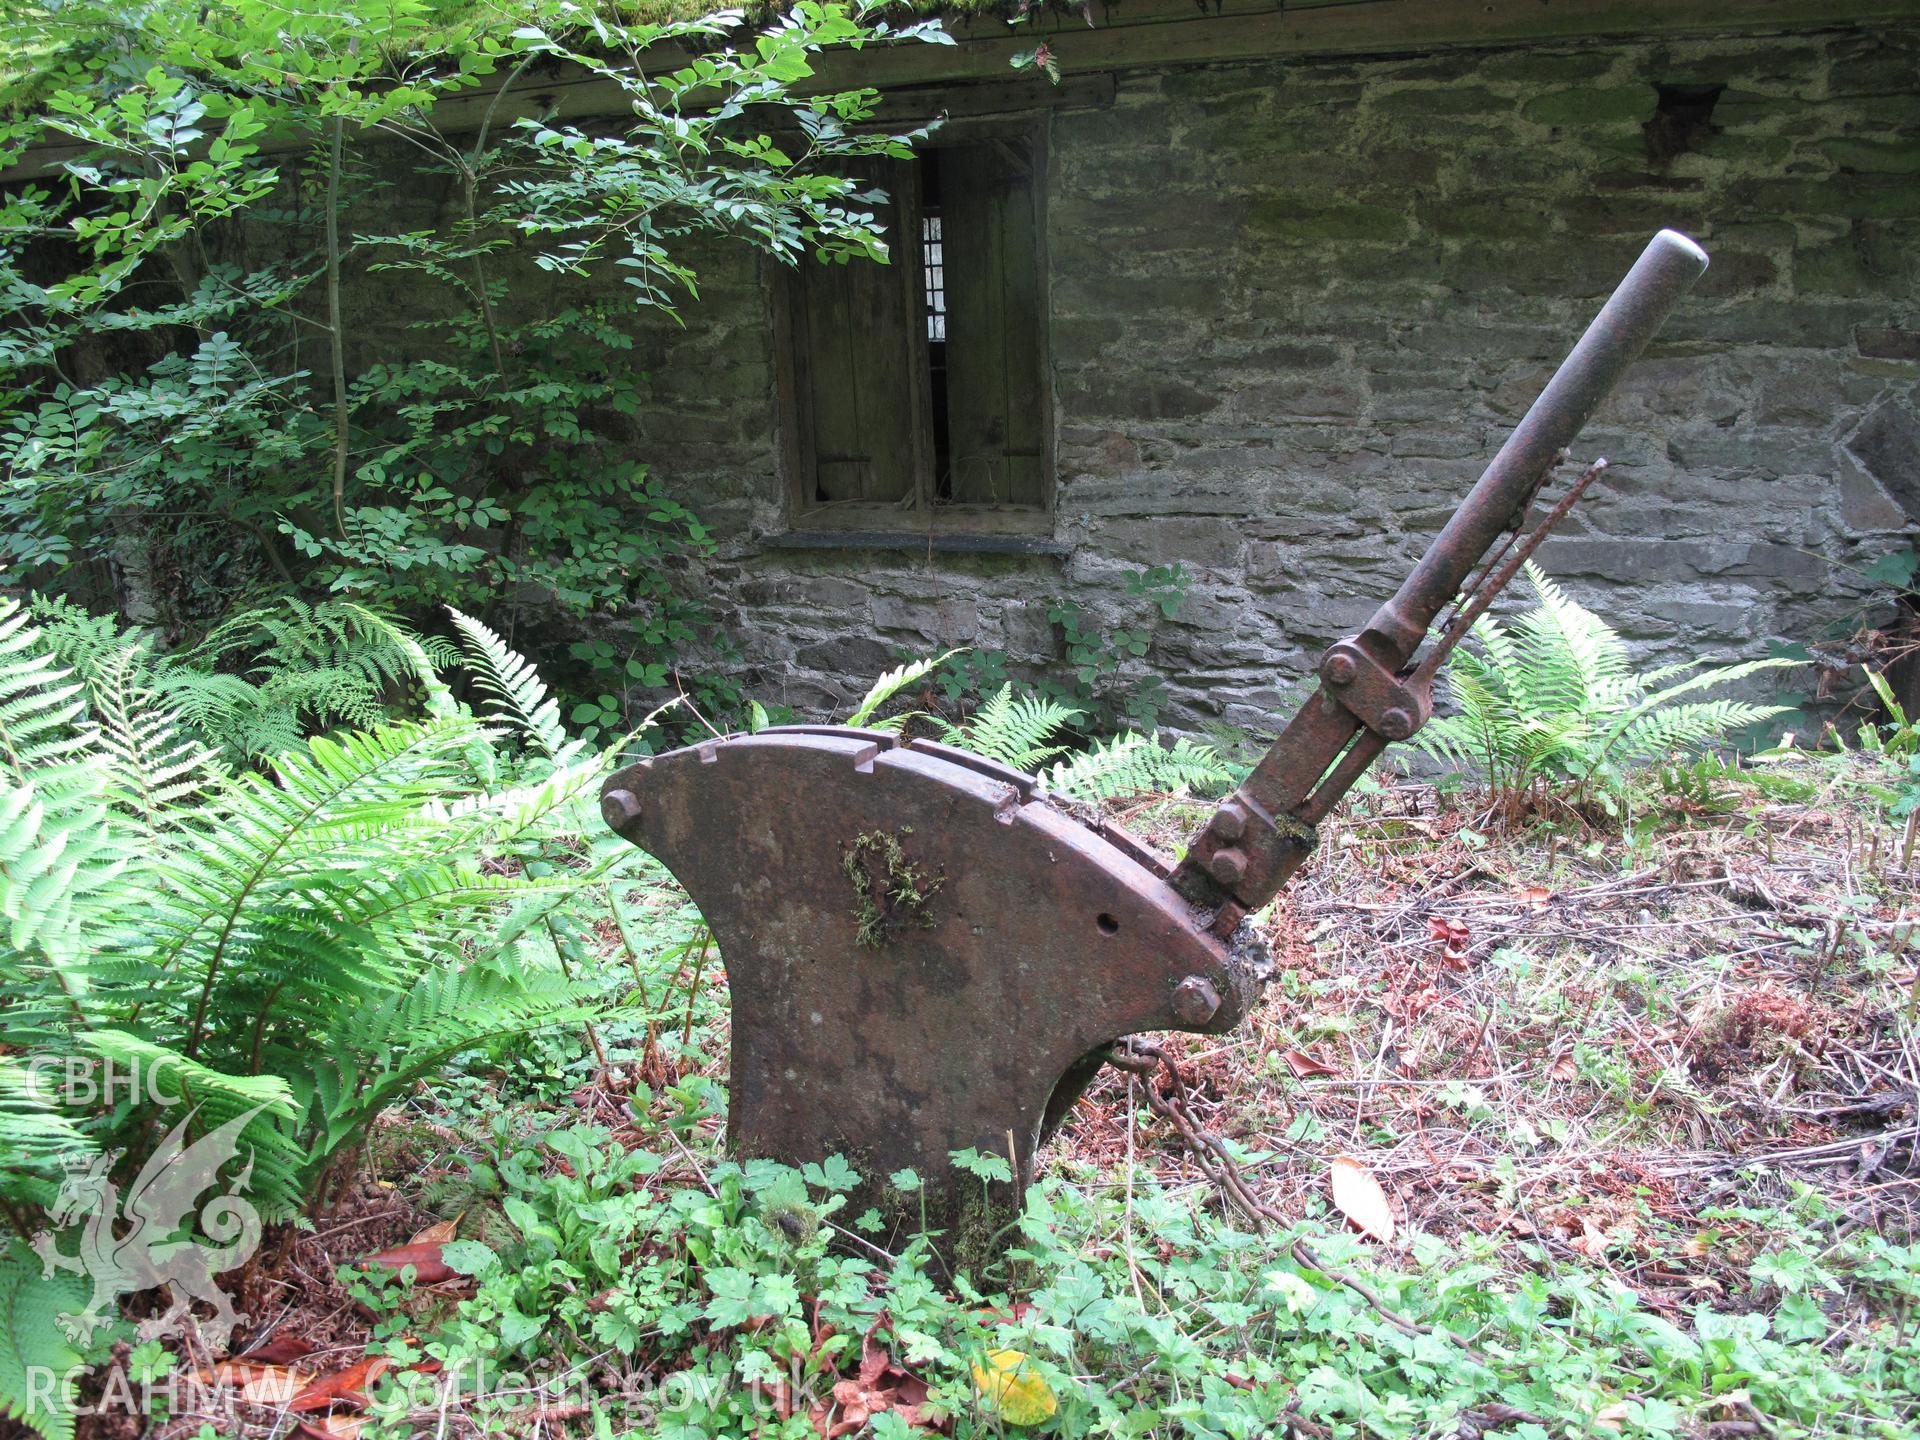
[33, 1345]
[422, 663]
[302, 942]
[35, 1133]
[1135, 764]
[149, 768]
[1555, 695]
[1686, 727]
[40, 702]
[1724, 675]
[517, 691]
[891, 684]
[1015, 730]
[61, 854]
[277, 1157]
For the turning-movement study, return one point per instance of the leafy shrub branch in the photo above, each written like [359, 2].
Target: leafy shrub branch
[207, 399]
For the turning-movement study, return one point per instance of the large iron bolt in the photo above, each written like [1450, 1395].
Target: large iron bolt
[1229, 867]
[1228, 824]
[1195, 1001]
[619, 808]
[1339, 669]
[1395, 724]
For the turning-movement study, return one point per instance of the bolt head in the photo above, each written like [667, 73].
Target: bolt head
[619, 808]
[1396, 724]
[1228, 824]
[1229, 867]
[1339, 669]
[1195, 1001]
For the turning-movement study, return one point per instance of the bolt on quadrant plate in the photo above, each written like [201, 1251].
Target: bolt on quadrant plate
[924, 954]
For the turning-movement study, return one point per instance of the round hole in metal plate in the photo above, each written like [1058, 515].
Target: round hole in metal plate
[1108, 925]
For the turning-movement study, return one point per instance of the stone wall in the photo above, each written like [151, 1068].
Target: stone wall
[1295, 308]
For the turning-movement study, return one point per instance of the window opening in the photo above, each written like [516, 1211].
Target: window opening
[933, 263]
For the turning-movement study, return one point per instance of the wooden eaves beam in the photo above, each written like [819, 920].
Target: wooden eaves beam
[1143, 34]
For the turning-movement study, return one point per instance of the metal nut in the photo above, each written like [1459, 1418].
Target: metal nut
[1229, 867]
[1395, 724]
[1228, 824]
[1339, 669]
[619, 808]
[1195, 1001]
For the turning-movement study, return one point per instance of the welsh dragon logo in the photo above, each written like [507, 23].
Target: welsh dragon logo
[158, 1247]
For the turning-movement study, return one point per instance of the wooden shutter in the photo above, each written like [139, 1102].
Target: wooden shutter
[854, 333]
[996, 393]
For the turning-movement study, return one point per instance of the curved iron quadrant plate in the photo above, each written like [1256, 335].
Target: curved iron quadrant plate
[924, 954]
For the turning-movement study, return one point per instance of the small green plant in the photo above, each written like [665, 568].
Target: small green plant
[971, 673]
[1135, 764]
[1553, 698]
[889, 685]
[1094, 658]
[1898, 736]
[1027, 731]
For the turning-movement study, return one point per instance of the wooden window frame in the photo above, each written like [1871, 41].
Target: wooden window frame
[923, 517]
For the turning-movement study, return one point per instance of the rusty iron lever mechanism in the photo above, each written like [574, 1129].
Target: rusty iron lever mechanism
[1368, 696]
[926, 955]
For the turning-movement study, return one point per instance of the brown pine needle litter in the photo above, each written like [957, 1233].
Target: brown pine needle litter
[1594, 1039]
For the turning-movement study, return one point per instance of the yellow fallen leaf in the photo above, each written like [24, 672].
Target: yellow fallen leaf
[1013, 1387]
[1611, 1417]
[1360, 1197]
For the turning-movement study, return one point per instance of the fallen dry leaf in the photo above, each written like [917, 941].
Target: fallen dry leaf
[333, 1427]
[1304, 1066]
[428, 1266]
[1454, 937]
[1014, 1388]
[1591, 1241]
[439, 1232]
[282, 1349]
[879, 1386]
[1360, 1198]
[1563, 1069]
[348, 1386]
[1535, 897]
[1011, 1315]
[255, 1383]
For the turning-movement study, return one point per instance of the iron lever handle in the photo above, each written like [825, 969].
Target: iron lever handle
[1261, 834]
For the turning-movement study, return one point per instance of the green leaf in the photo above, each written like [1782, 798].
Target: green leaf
[469, 1257]
[732, 1292]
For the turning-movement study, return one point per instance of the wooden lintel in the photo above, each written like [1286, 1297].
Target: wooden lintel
[1143, 34]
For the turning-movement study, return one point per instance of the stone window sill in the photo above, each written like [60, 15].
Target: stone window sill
[952, 544]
